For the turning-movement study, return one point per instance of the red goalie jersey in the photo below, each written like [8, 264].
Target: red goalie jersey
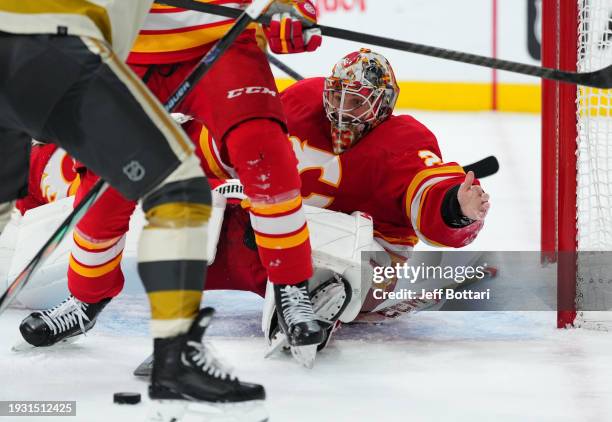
[395, 173]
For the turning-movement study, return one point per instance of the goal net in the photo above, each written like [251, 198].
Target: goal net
[577, 161]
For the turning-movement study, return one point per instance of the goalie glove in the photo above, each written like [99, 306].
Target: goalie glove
[291, 27]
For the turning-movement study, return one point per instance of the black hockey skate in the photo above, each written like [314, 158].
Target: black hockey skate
[298, 321]
[65, 322]
[329, 300]
[185, 368]
[296, 316]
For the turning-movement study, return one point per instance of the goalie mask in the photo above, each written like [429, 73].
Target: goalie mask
[360, 94]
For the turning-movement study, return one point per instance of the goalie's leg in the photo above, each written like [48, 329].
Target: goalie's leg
[94, 272]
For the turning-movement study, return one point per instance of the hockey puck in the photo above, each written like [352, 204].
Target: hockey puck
[126, 398]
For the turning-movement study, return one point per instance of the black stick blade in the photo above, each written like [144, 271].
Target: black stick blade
[484, 168]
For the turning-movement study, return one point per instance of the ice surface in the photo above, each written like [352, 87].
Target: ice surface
[433, 366]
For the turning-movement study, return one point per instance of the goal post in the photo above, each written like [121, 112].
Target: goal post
[576, 208]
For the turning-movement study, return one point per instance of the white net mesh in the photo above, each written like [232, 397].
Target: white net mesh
[594, 190]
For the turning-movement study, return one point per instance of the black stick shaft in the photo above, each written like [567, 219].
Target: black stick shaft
[598, 79]
[283, 67]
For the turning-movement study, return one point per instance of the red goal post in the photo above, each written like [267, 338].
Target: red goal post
[576, 208]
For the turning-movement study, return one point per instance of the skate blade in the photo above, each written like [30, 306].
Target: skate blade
[188, 411]
[23, 346]
[145, 368]
[305, 355]
[278, 343]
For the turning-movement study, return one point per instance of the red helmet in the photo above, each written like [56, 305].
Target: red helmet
[360, 94]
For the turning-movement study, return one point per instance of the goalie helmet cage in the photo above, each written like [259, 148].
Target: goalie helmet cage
[576, 207]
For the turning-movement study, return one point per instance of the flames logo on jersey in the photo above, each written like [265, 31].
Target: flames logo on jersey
[327, 164]
[59, 179]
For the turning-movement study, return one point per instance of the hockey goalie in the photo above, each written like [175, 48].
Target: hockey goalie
[375, 184]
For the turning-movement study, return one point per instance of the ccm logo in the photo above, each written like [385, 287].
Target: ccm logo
[250, 90]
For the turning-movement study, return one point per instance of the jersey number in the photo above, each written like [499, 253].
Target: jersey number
[429, 158]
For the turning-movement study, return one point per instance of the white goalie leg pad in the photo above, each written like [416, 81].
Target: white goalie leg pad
[49, 285]
[330, 298]
[337, 241]
[9, 239]
[6, 209]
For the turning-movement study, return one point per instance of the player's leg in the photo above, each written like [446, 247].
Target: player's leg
[121, 135]
[108, 120]
[242, 110]
[266, 165]
[94, 270]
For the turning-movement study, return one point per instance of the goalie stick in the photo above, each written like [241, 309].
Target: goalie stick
[244, 19]
[486, 167]
[601, 78]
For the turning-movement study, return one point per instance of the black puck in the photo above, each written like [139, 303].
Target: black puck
[126, 398]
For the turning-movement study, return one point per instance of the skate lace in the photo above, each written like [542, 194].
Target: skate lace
[65, 315]
[206, 358]
[296, 305]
